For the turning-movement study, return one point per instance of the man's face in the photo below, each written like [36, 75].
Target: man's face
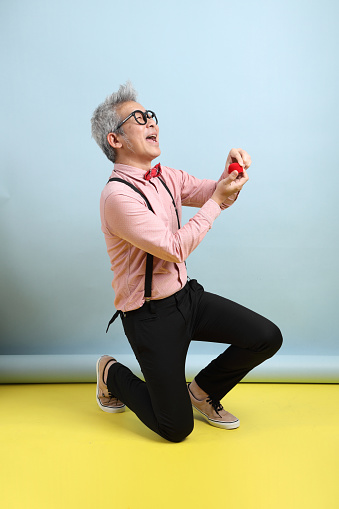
[142, 143]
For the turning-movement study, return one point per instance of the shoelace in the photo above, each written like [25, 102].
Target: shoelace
[112, 396]
[215, 404]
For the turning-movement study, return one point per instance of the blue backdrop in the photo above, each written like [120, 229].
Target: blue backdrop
[258, 75]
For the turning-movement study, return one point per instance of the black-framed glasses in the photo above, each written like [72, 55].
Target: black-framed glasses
[141, 117]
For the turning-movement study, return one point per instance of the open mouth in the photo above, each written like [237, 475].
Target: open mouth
[152, 138]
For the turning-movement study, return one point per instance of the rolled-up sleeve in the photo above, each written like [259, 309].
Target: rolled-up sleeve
[196, 192]
[129, 218]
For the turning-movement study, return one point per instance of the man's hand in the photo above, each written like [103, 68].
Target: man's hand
[238, 155]
[234, 182]
[228, 186]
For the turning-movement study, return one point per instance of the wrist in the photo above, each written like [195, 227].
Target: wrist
[217, 200]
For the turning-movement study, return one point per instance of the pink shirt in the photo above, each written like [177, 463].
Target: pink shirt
[131, 230]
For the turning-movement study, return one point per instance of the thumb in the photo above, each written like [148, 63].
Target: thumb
[232, 176]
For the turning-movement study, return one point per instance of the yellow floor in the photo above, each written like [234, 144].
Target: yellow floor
[59, 450]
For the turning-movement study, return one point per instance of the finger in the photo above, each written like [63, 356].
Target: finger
[245, 157]
[243, 174]
[242, 179]
[247, 162]
[237, 156]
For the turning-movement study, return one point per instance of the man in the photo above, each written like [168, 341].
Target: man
[160, 310]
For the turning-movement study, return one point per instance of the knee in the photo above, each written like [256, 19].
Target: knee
[273, 339]
[177, 433]
[267, 340]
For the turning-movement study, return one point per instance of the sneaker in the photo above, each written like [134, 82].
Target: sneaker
[106, 401]
[213, 411]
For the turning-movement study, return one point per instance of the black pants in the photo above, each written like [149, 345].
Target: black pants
[160, 333]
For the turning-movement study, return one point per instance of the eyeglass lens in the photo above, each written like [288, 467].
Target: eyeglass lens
[142, 116]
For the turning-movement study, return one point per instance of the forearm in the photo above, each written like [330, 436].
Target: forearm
[196, 192]
[135, 224]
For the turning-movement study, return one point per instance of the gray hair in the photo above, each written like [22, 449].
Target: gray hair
[105, 118]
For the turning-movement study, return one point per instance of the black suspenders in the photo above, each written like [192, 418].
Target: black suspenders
[149, 258]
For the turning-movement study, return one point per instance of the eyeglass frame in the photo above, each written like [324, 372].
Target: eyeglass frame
[144, 114]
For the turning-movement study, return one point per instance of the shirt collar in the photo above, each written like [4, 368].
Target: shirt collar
[129, 171]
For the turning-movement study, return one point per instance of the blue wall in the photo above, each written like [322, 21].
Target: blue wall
[258, 75]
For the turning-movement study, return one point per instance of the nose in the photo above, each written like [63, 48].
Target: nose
[151, 122]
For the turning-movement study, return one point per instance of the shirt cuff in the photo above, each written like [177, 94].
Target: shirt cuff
[230, 200]
[210, 211]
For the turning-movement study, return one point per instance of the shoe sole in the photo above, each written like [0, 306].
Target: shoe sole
[218, 424]
[108, 409]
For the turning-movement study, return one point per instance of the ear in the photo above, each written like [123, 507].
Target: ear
[113, 140]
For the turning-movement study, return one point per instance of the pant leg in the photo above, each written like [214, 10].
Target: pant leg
[252, 337]
[160, 343]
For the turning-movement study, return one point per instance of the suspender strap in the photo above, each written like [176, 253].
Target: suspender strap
[114, 317]
[148, 277]
[169, 192]
[135, 189]
[149, 258]
[174, 205]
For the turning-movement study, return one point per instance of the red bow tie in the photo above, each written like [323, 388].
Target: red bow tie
[153, 172]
